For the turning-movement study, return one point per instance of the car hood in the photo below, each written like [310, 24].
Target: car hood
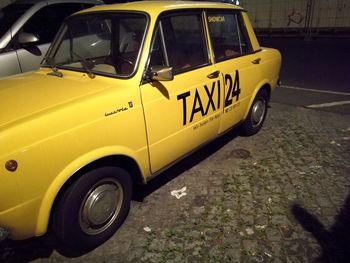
[26, 95]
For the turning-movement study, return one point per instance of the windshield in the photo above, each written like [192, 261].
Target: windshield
[99, 43]
[9, 15]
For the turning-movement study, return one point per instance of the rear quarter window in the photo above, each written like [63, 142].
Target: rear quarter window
[228, 35]
[185, 42]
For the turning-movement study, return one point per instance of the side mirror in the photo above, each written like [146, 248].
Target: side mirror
[27, 38]
[161, 73]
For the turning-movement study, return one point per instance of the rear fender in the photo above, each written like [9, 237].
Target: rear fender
[262, 84]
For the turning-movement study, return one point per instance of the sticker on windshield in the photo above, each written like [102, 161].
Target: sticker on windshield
[216, 19]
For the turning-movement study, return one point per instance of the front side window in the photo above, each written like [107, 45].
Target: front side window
[184, 43]
[227, 37]
[100, 43]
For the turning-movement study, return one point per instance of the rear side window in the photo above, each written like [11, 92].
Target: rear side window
[180, 42]
[227, 34]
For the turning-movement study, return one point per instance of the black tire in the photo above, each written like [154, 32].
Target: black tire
[257, 114]
[92, 208]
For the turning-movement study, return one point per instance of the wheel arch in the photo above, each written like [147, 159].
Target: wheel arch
[262, 85]
[74, 171]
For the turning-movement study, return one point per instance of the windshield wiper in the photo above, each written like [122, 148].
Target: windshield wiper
[85, 64]
[55, 72]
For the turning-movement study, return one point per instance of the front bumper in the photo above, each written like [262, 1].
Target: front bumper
[20, 221]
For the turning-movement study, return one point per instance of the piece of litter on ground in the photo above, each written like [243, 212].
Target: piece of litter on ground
[269, 200]
[179, 193]
[147, 229]
[249, 231]
[255, 163]
[286, 230]
[260, 227]
[315, 166]
[267, 254]
[302, 173]
[258, 259]
[338, 144]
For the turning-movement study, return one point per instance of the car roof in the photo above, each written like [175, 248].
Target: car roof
[157, 7]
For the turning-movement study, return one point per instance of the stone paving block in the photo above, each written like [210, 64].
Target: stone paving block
[273, 234]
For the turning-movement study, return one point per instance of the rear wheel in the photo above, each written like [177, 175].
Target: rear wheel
[93, 208]
[256, 115]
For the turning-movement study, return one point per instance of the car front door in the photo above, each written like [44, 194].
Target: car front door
[236, 61]
[184, 112]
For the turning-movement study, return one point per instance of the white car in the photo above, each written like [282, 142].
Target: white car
[27, 28]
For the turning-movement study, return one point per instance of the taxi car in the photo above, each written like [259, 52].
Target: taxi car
[125, 91]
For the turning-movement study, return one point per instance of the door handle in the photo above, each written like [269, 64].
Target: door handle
[256, 61]
[214, 75]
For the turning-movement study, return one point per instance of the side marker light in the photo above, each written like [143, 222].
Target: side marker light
[11, 165]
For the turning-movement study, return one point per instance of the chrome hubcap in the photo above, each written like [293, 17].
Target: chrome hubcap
[101, 206]
[258, 112]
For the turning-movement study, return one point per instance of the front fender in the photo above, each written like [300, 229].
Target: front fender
[59, 181]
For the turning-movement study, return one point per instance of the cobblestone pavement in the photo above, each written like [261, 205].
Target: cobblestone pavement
[279, 196]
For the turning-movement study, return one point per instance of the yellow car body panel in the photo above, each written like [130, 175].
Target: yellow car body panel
[55, 126]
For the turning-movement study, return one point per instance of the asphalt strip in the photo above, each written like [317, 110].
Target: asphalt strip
[316, 90]
[329, 104]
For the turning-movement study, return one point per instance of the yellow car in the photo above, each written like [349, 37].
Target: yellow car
[124, 91]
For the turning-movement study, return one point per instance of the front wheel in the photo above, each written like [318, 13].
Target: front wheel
[257, 114]
[93, 208]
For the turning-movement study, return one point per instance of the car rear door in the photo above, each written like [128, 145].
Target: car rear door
[236, 61]
[184, 112]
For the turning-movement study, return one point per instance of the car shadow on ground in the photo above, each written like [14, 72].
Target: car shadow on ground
[335, 241]
[185, 164]
[25, 250]
[43, 247]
